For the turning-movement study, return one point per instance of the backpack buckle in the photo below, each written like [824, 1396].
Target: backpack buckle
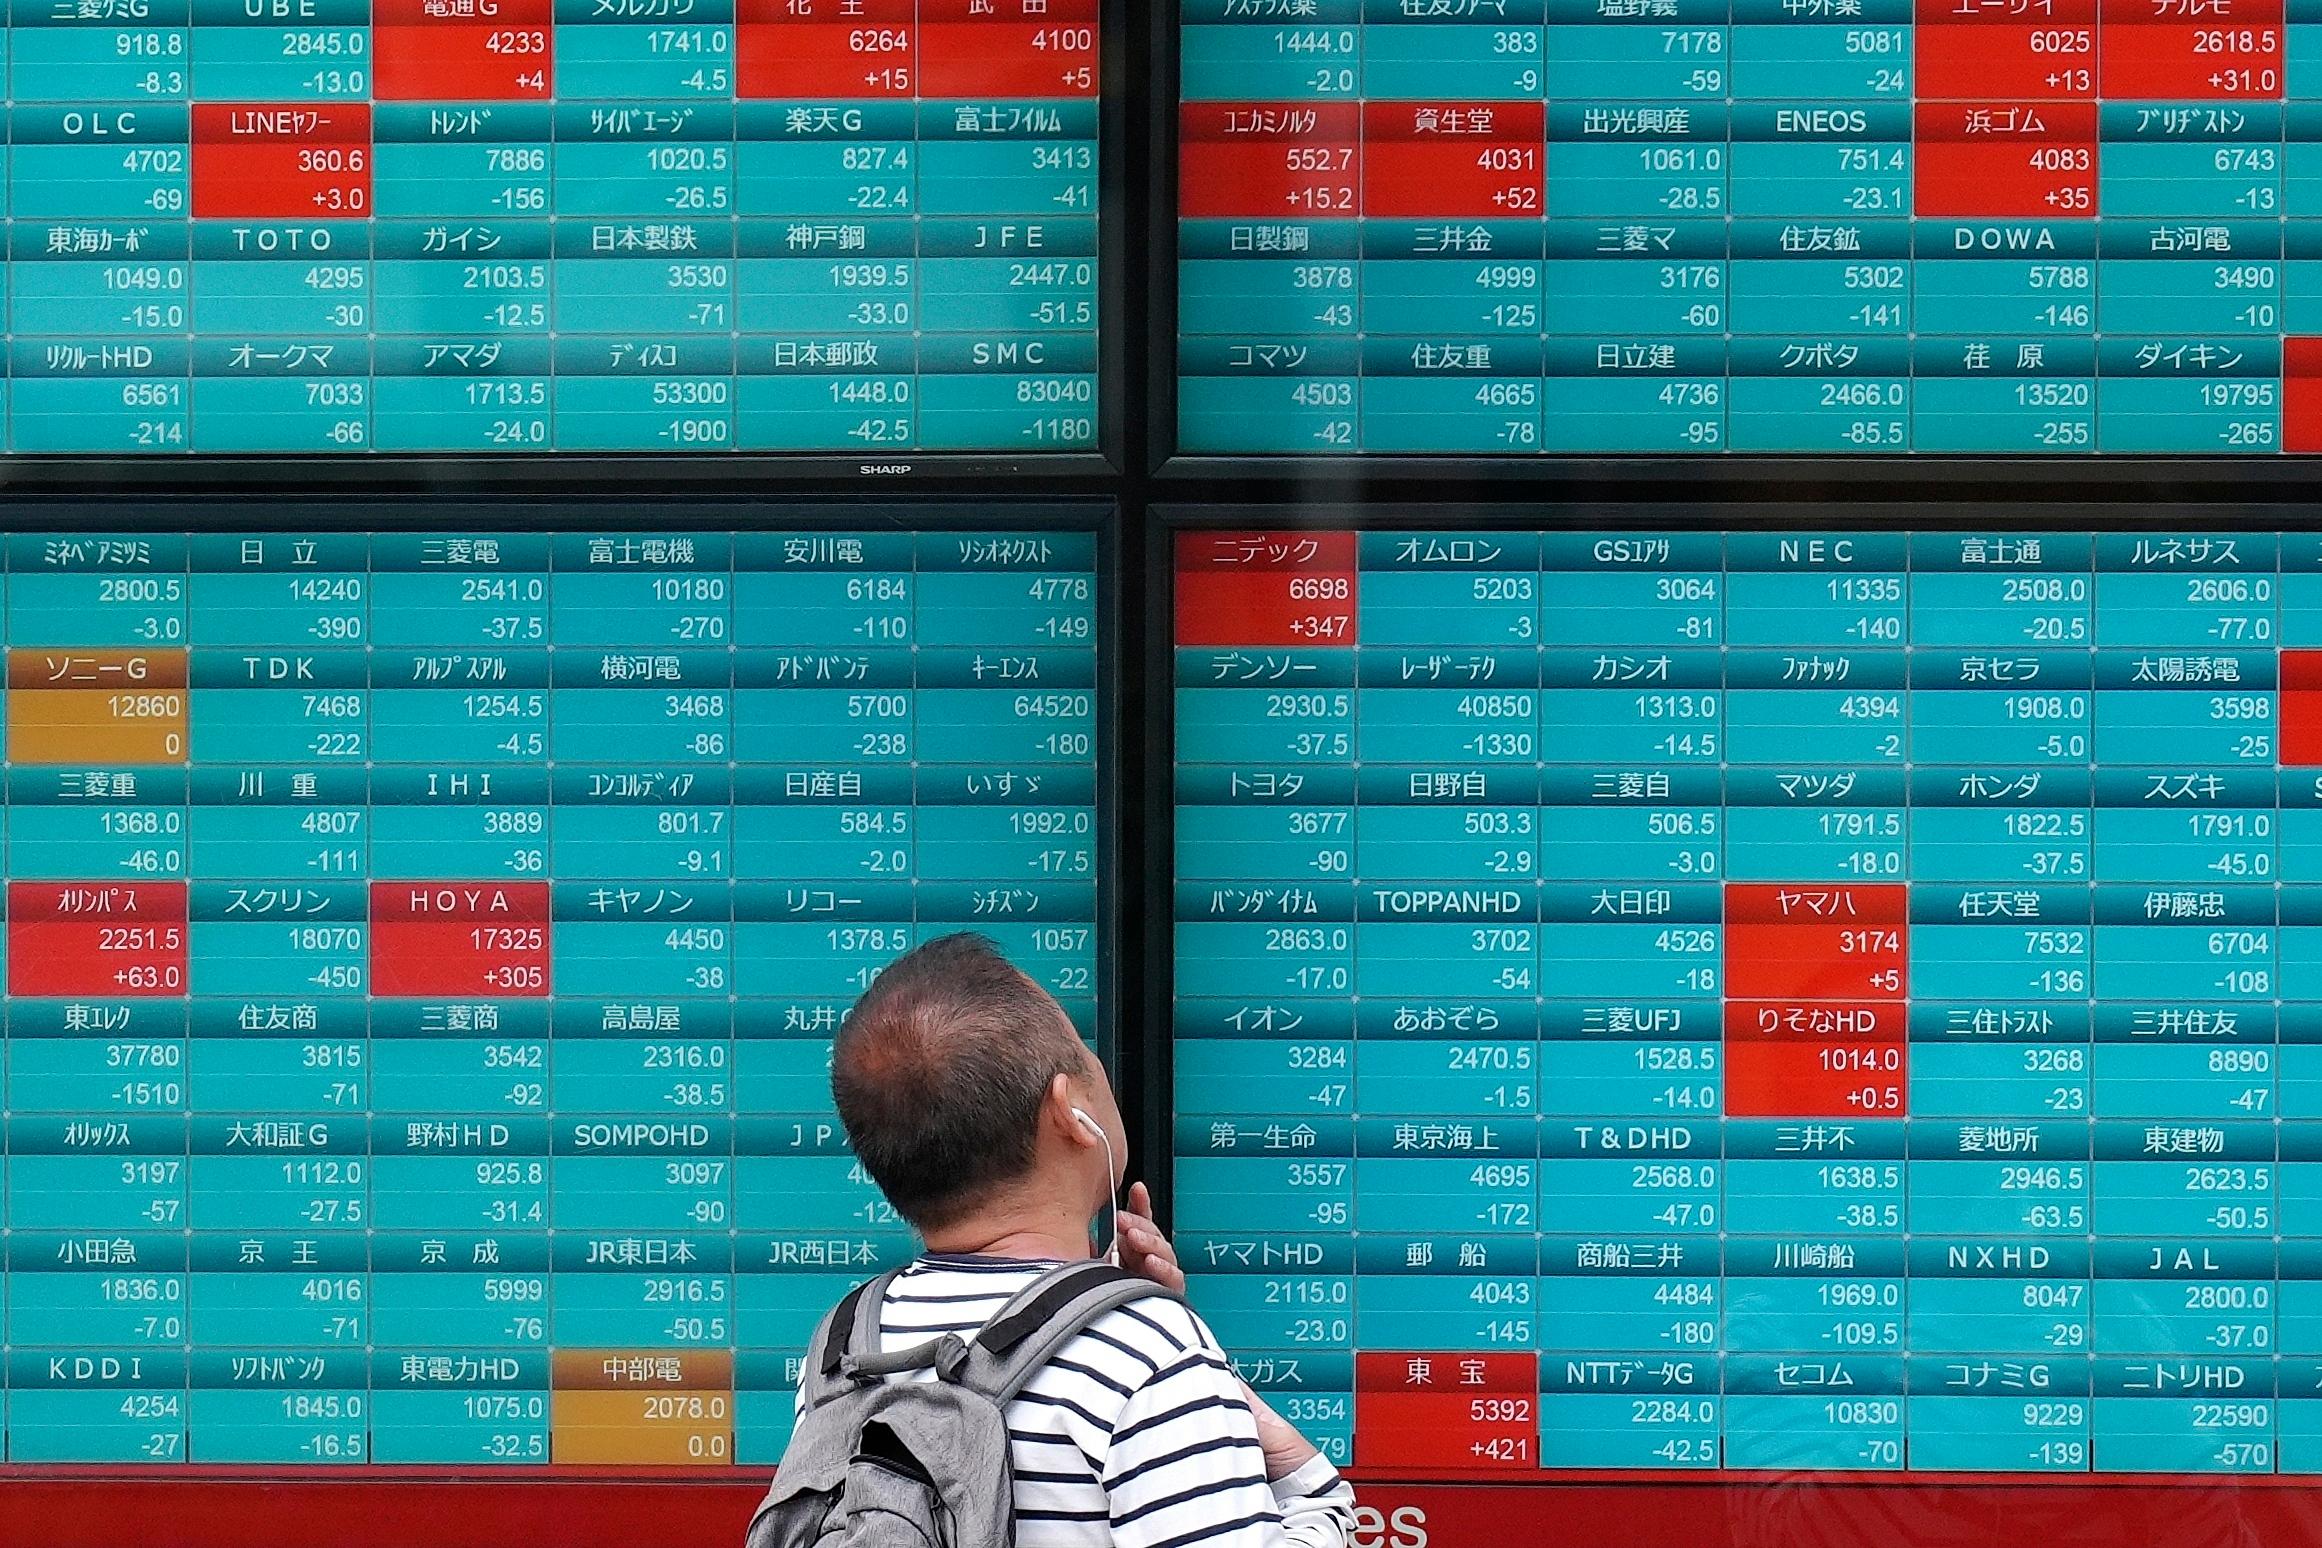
[946, 1356]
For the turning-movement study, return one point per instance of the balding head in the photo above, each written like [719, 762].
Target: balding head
[939, 1072]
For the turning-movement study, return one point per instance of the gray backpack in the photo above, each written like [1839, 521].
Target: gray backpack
[891, 1464]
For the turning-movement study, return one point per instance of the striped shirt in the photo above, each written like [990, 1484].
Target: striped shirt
[1134, 1434]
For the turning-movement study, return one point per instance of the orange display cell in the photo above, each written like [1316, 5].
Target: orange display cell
[641, 1370]
[106, 669]
[97, 706]
[97, 728]
[684, 1427]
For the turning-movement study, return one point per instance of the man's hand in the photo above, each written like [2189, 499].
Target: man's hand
[1144, 1250]
[1286, 1450]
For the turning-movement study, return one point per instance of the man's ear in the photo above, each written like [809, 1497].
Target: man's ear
[1056, 1111]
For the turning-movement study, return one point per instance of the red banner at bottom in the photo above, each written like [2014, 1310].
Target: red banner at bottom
[1806, 1511]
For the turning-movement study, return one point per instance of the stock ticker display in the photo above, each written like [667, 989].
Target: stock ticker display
[1833, 999]
[1758, 226]
[422, 950]
[334, 226]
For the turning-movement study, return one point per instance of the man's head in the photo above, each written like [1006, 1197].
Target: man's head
[956, 1077]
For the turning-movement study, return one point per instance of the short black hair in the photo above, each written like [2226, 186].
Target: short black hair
[939, 1071]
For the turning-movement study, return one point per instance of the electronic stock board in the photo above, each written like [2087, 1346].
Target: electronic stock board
[422, 946]
[530, 226]
[1838, 996]
[1652, 996]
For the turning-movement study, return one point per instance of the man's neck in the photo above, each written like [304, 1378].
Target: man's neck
[1018, 1233]
[1028, 1246]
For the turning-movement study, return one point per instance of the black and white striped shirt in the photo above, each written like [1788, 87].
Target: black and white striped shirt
[1135, 1434]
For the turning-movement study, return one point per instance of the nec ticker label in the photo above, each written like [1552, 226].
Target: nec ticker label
[1839, 1000]
[1703, 226]
[324, 226]
[422, 951]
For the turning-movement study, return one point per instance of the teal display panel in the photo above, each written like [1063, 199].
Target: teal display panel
[423, 943]
[1838, 998]
[244, 227]
[1696, 228]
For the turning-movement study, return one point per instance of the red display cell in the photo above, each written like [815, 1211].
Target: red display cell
[827, 15]
[2301, 396]
[2191, 64]
[1446, 1410]
[1437, 1433]
[462, 61]
[1815, 962]
[2209, 16]
[2301, 739]
[73, 902]
[1455, 159]
[434, 901]
[488, 939]
[2301, 698]
[2192, 50]
[1855, 950]
[1045, 13]
[2301, 671]
[1834, 903]
[2003, 13]
[462, 13]
[870, 60]
[781, 55]
[805, 15]
[1266, 588]
[2005, 159]
[1985, 61]
[281, 161]
[1277, 160]
[987, 59]
[1812, 1080]
[1426, 1370]
[115, 939]
[1864, 1021]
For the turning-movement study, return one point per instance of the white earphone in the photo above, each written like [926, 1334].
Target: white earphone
[1112, 1254]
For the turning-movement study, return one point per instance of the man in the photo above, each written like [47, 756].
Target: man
[974, 1105]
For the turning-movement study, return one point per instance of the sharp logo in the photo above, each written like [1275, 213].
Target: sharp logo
[1404, 1527]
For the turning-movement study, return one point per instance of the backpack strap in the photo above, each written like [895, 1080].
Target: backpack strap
[1046, 1315]
[852, 1327]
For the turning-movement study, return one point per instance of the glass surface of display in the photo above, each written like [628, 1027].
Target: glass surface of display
[1842, 998]
[1599, 228]
[436, 226]
[423, 945]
